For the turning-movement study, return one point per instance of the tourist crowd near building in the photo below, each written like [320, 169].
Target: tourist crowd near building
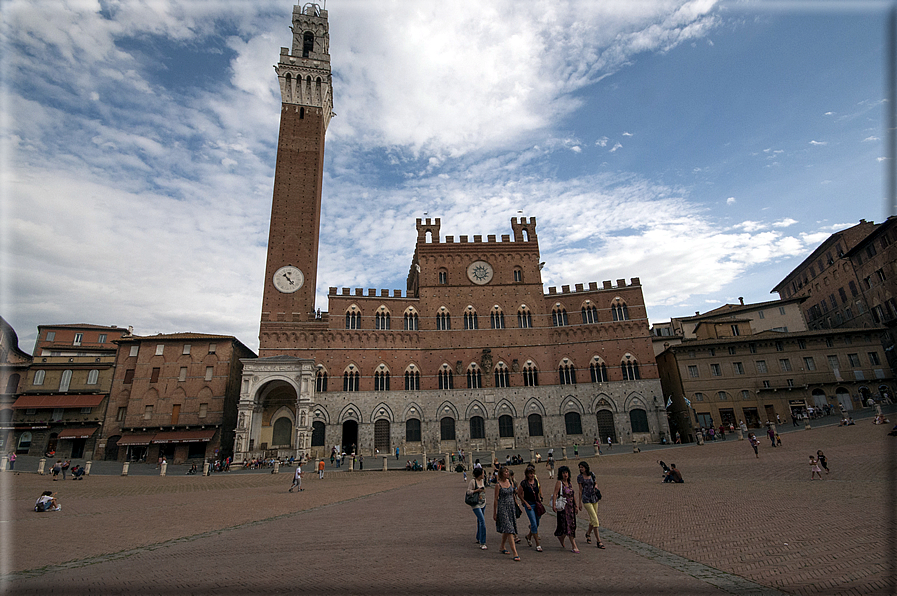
[474, 354]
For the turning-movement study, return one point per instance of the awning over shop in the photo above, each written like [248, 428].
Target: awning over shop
[77, 433]
[136, 439]
[46, 402]
[183, 436]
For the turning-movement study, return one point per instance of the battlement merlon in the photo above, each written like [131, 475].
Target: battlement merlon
[524, 229]
[428, 226]
[635, 282]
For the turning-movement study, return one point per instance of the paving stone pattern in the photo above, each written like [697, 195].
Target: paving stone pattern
[739, 525]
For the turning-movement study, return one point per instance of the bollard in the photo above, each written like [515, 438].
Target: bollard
[351, 460]
[532, 456]
[87, 468]
[277, 467]
[492, 461]
[635, 448]
[699, 436]
[807, 423]
[564, 453]
[205, 468]
[164, 469]
[124, 468]
[41, 465]
[3, 461]
[385, 458]
[740, 433]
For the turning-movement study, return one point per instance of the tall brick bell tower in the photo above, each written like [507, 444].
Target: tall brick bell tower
[305, 88]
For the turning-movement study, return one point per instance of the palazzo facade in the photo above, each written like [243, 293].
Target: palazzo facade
[473, 354]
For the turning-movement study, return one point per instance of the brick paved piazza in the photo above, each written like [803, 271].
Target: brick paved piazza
[739, 525]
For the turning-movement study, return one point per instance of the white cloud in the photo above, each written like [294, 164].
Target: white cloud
[871, 138]
[730, 201]
[784, 223]
[819, 142]
[615, 147]
[602, 142]
[627, 134]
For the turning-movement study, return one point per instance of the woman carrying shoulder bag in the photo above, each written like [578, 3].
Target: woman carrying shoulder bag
[504, 512]
[588, 498]
[476, 498]
[564, 500]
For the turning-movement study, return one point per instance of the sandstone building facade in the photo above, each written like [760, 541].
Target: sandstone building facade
[474, 354]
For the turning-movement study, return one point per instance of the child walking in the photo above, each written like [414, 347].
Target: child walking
[814, 468]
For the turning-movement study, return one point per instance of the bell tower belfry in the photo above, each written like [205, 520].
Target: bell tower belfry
[303, 72]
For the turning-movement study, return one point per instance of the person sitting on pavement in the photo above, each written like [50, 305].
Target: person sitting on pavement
[674, 475]
[77, 473]
[666, 469]
[47, 502]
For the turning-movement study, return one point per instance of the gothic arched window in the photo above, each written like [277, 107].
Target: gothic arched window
[598, 370]
[530, 375]
[524, 318]
[381, 380]
[559, 316]
[567, 373]
[502, 375]
[474, 377]
[630, 370]
[497, 318]
[353, 318]
[411, 320]
[589, 314]
[470, 319]
[445, 377]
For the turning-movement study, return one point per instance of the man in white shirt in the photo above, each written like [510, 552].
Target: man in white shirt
[297, 480]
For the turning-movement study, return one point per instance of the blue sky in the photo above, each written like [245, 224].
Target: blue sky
[704, 147]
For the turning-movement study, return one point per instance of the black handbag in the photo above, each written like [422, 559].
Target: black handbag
[472, 499]
[519, 511]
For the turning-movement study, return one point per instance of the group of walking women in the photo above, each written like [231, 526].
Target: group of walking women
[527, 496]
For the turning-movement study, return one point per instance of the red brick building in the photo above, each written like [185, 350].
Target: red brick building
[474, 354]
[14, 363]
[173, 395]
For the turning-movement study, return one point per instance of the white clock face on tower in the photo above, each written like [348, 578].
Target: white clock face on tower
[480, 272]
[288, 279]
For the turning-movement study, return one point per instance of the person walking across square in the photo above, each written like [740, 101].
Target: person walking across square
[297, 480]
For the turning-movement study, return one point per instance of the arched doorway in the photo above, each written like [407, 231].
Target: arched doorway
[843, 397]
[819, 399]
[282, 433]
[381, 435]
[350, 435]
[317, 434]
[606, 426]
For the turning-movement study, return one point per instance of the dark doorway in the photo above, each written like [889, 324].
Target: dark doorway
[78, 448]
[317, 434]
[606, 426]
[51, 444]
[112, 448]
[381, 435]
[350, 435]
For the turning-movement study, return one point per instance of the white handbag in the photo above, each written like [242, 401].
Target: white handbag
[559, 503]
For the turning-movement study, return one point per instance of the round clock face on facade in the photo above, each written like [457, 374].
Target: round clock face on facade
[288, 279]
[480, 272]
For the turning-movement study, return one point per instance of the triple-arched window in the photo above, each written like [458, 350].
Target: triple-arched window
[497, 318]
[381, 319]
[350, 380]
[630, 370]
[502, 375]
[412, 379]
[589, 314]
[474, 377]
[445, 377]
[353, 318]
[566, 373]
[381, 380]
[620, 311]
[321, 381]
[524, 318]
[559, 316]
[598, 370]
[411, 320]
[470, 319]
[443, 320]
[530, 375]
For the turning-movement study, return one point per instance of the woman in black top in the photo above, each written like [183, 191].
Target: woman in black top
[530, 493]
